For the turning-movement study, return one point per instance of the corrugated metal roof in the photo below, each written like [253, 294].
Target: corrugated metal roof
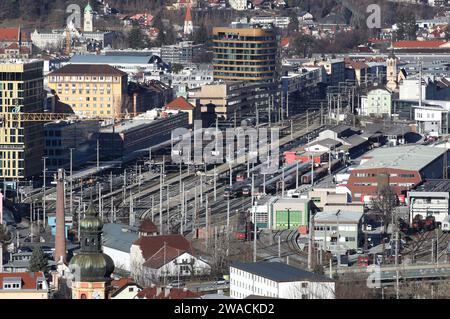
[278, 272]
[411, 157]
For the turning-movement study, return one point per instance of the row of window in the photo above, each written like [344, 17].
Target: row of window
[83, 93]
[84, 78]
[404, 175]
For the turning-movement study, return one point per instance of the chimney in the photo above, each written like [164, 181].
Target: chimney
[60, 239]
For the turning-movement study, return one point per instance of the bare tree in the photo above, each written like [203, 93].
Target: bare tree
[383, 207]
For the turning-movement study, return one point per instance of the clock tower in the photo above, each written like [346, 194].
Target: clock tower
[91, 268]
[88, 21]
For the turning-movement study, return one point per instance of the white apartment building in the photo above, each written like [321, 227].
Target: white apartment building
[378, 102]
[239, 5]
[279, 22]
[278, 280]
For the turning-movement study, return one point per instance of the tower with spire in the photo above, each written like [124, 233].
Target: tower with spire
[91, 268]
[391, 71]
[88, 20]
[188, 25]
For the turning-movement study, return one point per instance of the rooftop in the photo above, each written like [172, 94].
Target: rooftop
[344, 217]
[88, 69]
[410, 157]
[292, 201]
[119, 237]
[180, 103]
[278, 272]
[434, 185]
[28, 279]
[114, 59]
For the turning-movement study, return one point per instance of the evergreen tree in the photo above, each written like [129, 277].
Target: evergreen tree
[302, 44]
[201, 35]
[406, 26]
[136, 39]
[293, 22]
[38, 260]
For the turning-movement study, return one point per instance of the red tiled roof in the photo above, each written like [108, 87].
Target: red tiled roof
[163, 256]
[357, 65]
[147, 226]
[284, 42]
[175, 293]
[180, 103]
[119, 283]
[13, 46]
[12, 34]
[29, 279]
[419, 44]
[9, 34]
[151, 245]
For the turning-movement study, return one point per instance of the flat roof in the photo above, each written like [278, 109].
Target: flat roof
[344, 217]
[279, 272]
[292, 201]
[410, 157]
[111, 59]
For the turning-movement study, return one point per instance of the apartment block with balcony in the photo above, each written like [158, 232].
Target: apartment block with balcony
[91, 90]
[21, 142]
[249, 52]
[245, 52]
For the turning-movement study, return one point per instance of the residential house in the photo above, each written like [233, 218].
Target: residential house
[23, 285]
[165, 256]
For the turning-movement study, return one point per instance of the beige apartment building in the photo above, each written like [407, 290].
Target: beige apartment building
[21, 142]
[226, 98]
[91, 90]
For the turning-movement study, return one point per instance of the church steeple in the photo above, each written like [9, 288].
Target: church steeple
[92, 268]
[188, 24]
[391, 70]
[88, 22]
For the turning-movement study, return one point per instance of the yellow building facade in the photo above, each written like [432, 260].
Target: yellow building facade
[91, 90]
[21, 142]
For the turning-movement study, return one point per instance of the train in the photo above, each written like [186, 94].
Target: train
[245, 228]
[319, 172]
[419, 224]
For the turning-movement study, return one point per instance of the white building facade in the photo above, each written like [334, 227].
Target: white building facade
[238, 5]
[378, 103]
[278, 280]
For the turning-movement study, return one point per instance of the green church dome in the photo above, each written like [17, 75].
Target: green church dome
[91, 222]
[91, 264]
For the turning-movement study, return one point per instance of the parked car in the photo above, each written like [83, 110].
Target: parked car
[359, 251]
[220, 281]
